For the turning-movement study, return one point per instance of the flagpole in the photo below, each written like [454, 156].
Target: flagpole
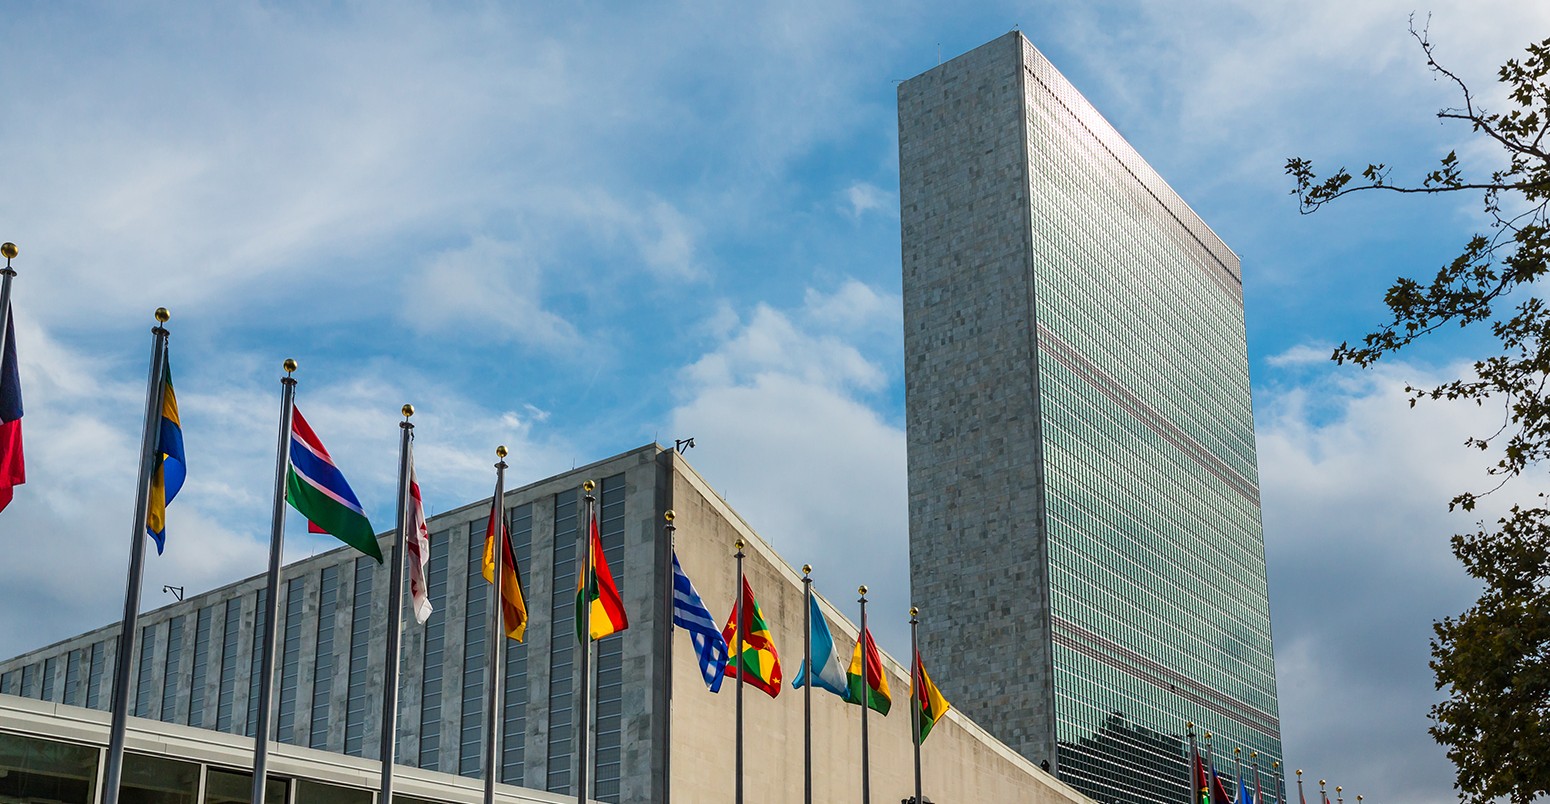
[494, 651]
[395, 611]
[667, 680]
[807, 688]
[915, 696]
[1338, 798]
[584, 602]
[1194, 761]
[1259, 792]
[1300, 797]
[9, 251]
[1237, 755]
[1322, 794]
[1275, 774]
[736, 660]
[866, 762]
[1210, 768]
[154, 392]
[282, 465]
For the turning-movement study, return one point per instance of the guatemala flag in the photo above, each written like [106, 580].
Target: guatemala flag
[690, 614]
[826, 656]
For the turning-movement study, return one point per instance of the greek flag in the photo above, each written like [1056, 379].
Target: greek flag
[690, 614]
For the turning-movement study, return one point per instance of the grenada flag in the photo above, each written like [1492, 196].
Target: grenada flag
[753, 654]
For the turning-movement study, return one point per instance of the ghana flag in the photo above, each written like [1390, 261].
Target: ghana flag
[928, 698]
[753, 656]
[867, 680]
[595, 587]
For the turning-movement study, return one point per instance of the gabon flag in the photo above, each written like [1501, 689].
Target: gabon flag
[595, 588]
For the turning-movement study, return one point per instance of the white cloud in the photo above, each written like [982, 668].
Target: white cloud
[1355, 486]
[488, 287]
[782, 431]
[1303, 354]
[864, 197]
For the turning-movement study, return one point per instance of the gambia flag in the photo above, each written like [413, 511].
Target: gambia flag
[754, 656]
[316, 488]
[928, 698]
[595, 587]
[867, 680]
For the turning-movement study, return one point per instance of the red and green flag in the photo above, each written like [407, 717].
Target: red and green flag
[595, 589]
[753, 654]
[868, 682]
[928, 698]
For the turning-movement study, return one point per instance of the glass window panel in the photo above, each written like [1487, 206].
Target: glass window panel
[158, 780]
[310, 792]
[236, 787]
[36, 770]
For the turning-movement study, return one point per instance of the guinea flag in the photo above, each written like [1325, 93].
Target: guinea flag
[928, 698]
[595, 588]
[867, 680]
[753, 654]
[315, 487]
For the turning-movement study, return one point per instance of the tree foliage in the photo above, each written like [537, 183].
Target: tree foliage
[1492, 660]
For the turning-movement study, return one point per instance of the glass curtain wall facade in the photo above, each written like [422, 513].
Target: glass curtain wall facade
[1081, 439]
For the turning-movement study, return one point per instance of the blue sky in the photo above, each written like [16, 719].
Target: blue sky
[577, 230]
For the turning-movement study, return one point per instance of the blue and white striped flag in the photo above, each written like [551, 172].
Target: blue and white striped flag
[690, 614]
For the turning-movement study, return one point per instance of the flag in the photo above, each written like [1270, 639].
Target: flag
[167, 463]
[316, 488]
[1219, 794]
[932, 705]
[1244, 796]
[826, 655]
[13, 469]
[866, 678]
[690, 614]
[513, 604]
[755, 658]
[417, 545]
[595, 587]
[1202, 781]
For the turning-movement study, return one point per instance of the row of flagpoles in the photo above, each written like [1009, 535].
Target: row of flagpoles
[1210, 788]
[307, 479]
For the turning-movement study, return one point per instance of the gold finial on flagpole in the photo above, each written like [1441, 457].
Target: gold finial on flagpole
[162, 315]
[914, 612]
[1276, 764]
[500, 451]
[1253, 755]
[862, 590]
[407, 409]
[668, 515]
[9, 251]
[1237, 750]
[1299, 771]
[738, 544]
[588, 486]
[807, 569]
[289, 365]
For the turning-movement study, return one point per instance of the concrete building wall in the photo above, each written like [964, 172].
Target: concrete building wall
[962, 762]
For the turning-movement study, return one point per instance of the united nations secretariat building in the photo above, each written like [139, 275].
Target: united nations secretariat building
[195, 677]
